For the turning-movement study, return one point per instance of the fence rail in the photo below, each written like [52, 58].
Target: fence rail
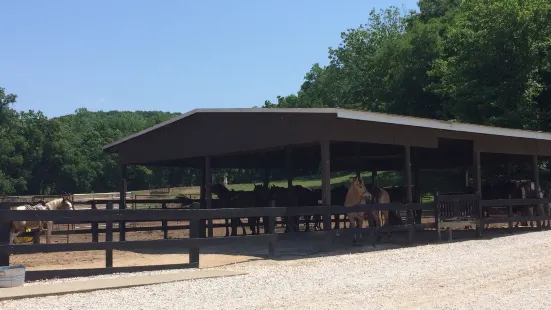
[198, 217]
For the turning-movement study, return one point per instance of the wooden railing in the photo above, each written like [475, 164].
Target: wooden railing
[197, 227]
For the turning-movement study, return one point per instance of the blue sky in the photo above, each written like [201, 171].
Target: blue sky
[175, 56]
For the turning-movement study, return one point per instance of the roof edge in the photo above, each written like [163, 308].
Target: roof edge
[443, 125]
[109, 147]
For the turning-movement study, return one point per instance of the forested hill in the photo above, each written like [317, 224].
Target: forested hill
[477, 61]
[64, 154]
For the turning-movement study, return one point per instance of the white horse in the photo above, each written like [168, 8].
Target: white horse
[18, 227]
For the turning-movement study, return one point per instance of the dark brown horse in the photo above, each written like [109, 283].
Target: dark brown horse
[286, 197]
[227, 200]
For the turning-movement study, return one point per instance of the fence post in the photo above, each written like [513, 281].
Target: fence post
[95, 226]
[165, 224]
[194, 232]
[437, 216]
[480, 227]
[109, 238]
[270, 229]
[510, 215]
[4, 238]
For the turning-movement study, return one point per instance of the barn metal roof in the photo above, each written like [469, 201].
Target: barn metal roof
[360, 116]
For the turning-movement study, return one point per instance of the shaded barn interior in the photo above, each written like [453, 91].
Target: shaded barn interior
[327, 140]
[258, 138]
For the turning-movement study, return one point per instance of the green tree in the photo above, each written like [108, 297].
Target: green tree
[496, 63]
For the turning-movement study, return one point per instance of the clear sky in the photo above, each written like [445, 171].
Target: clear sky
[175, 56]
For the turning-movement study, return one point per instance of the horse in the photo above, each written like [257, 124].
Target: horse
[526, 192]
[18, 227]
[307, 197]
[286, 197]
[357, 194]
[259, 197]
[226, 198]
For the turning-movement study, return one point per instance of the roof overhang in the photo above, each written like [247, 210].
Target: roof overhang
[224, 132]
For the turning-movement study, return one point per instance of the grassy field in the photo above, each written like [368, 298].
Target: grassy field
[446, 181]
[384, 178]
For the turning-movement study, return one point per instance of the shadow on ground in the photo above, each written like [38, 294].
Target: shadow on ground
[333, 243]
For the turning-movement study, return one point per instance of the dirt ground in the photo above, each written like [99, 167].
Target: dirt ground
[212, 257]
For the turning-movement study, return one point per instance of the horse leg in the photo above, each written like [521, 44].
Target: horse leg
[240, 222]
[252, 224]
[13, 235]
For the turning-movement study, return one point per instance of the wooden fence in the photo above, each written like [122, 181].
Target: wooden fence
[468, 206]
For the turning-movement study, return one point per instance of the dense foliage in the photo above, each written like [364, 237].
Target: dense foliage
[478, 61]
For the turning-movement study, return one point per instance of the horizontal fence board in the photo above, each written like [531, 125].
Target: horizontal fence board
[131, 245]
[513, 202]
[495, 220]
[78, 216]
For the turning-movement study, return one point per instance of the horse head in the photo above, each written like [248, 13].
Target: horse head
[357, 192]
[60, 204]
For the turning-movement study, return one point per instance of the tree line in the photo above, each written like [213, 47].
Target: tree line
[477, 61]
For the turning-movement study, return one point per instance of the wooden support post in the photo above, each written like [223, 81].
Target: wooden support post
[208, 192]
[538, 210]
[409, 192]
[478, 190]
[358, 160]
[288, 220]
[203, 205]
[374, 178]
[4, 238]
[326, 181]
[194, 232]
[270, 229]
[94, 225]
[122, 201]
[164, 223]
[437, 216]
[510, 215]
[289, 166]
[109, 238]
[266, 184]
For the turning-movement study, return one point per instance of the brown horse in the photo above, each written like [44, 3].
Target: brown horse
[226, 198]
[287, 197]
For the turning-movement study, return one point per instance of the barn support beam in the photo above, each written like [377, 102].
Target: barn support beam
[374, 178]
[417, 193]
[289, 173]
[208, 192]
[407, 185]
[465, 177]
[289, 166]
[266, 184]
[122, 200]
[358, 160]
[202, 196]
[477, 183]
[326, 180]
[536, 179]
[536, 172]
[477, 174]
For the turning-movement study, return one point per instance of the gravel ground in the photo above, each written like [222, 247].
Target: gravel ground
[510, 272]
